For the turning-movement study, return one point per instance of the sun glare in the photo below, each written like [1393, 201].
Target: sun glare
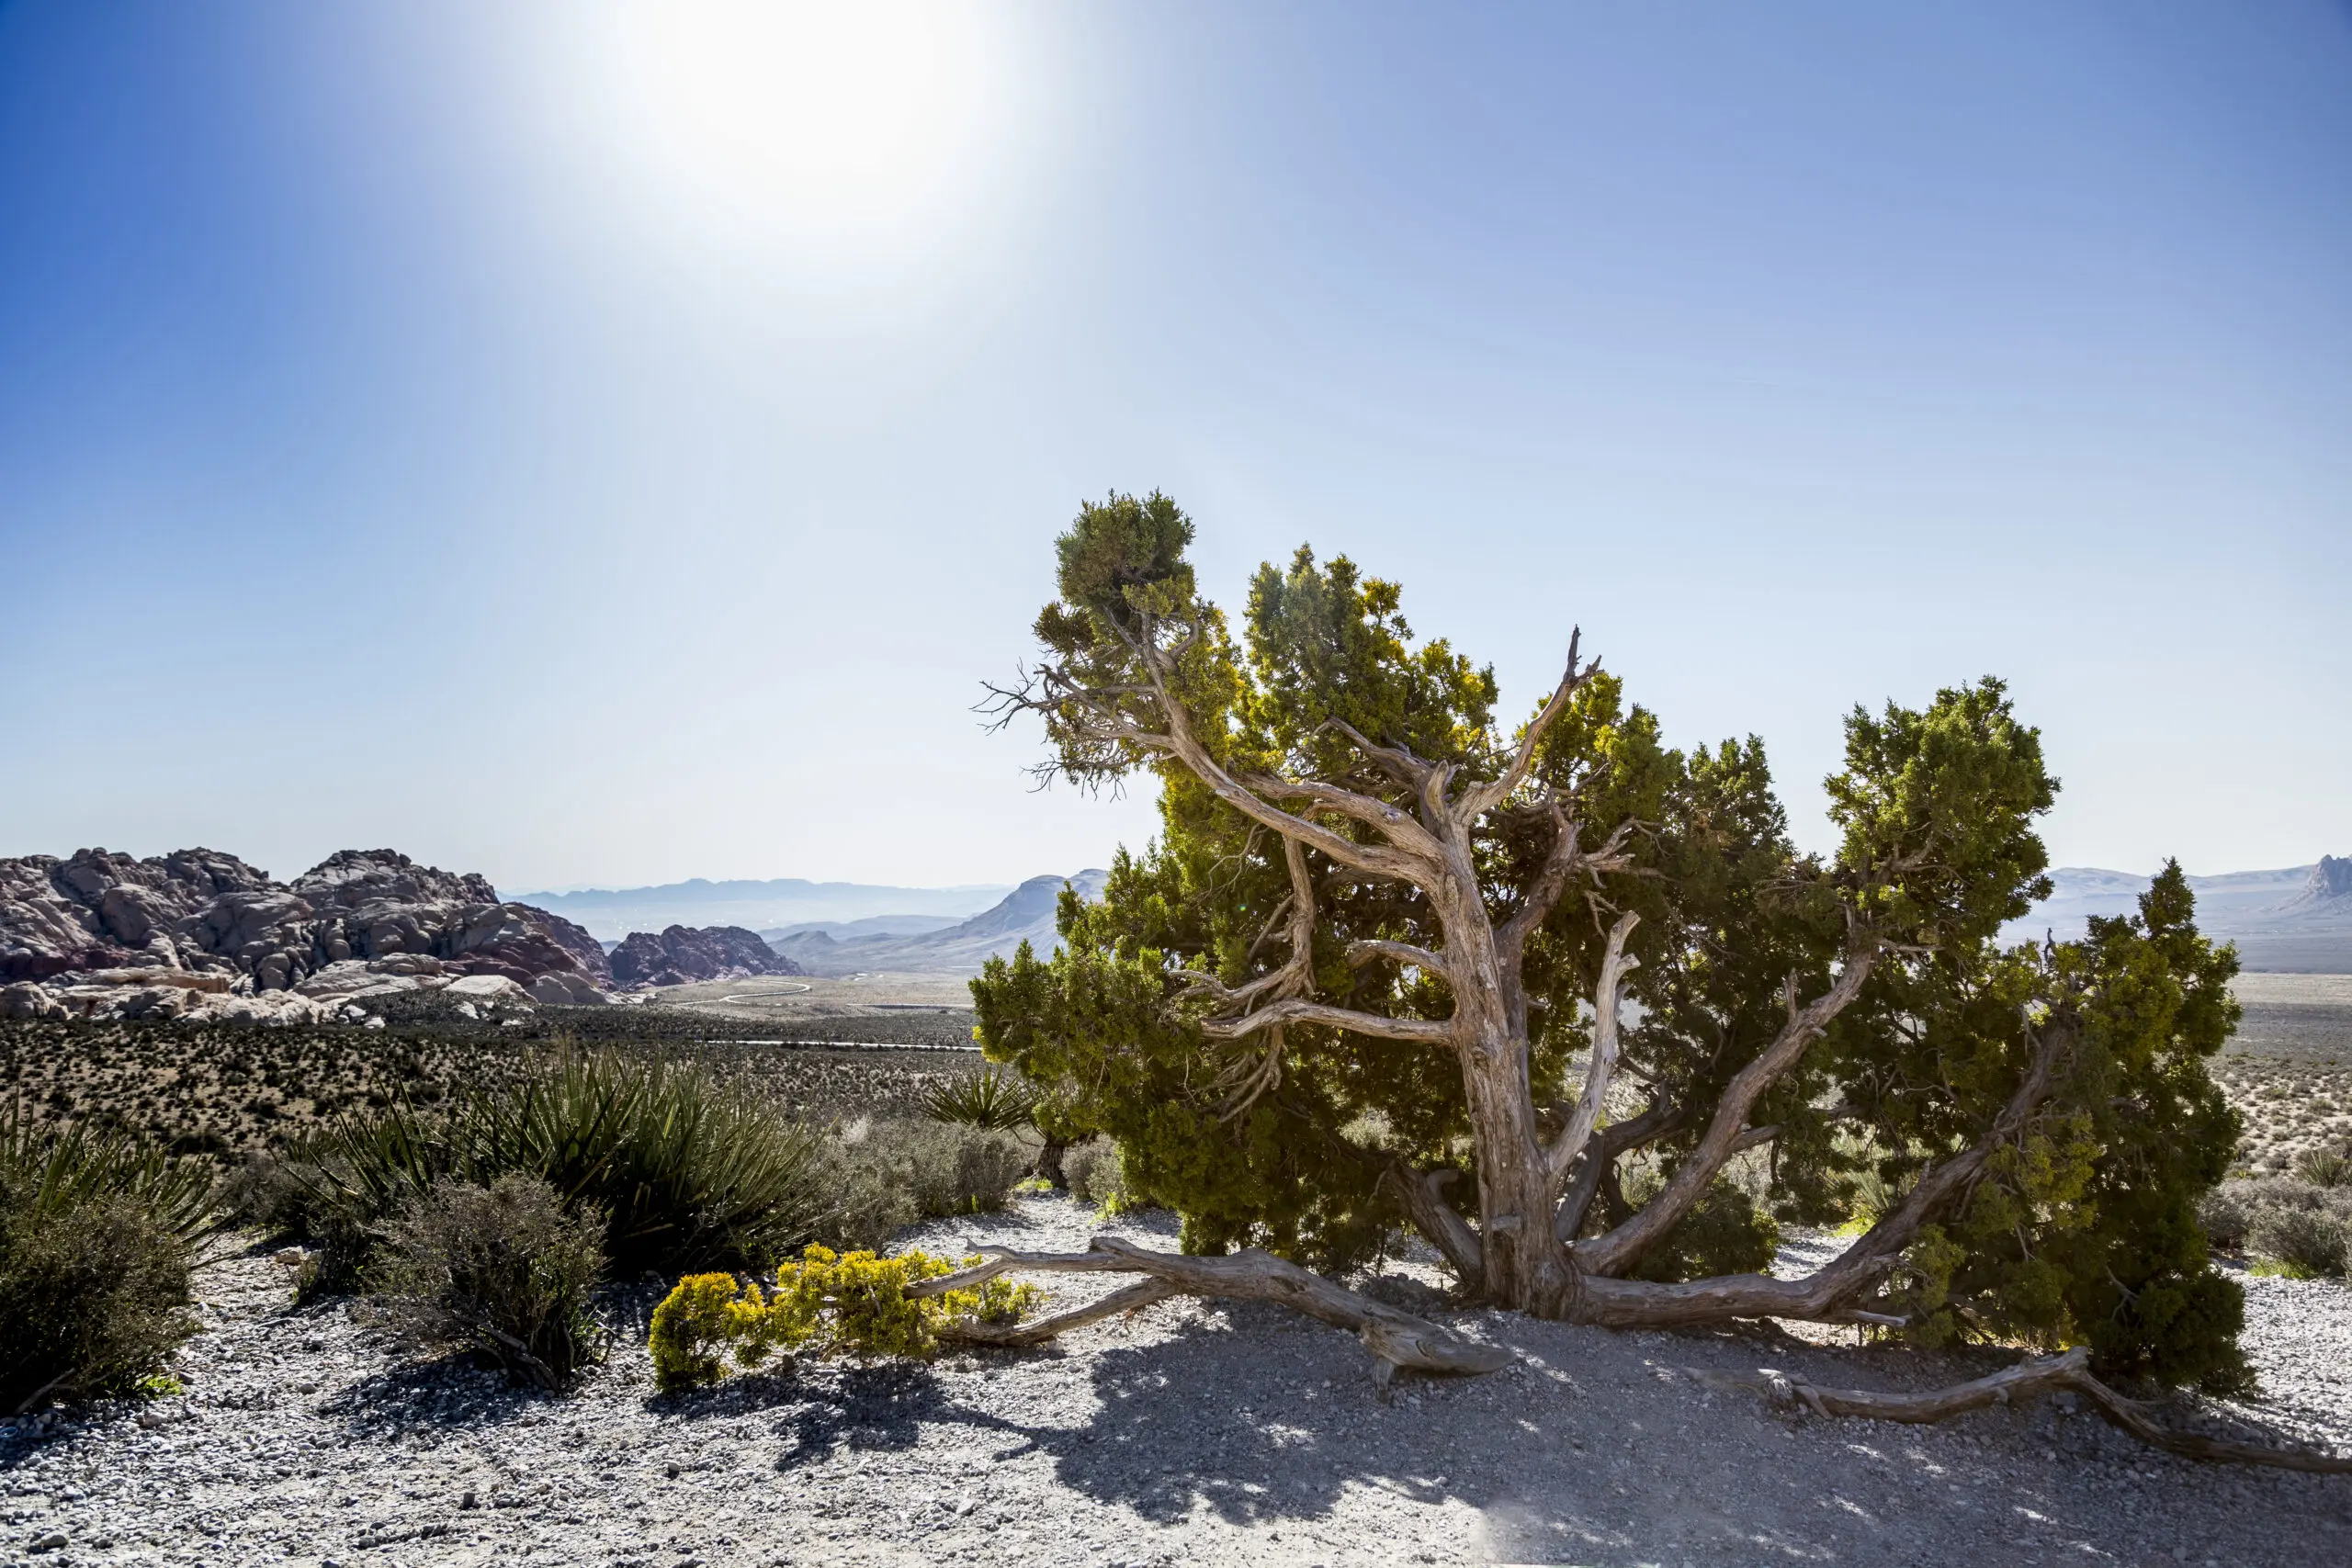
[821, 125]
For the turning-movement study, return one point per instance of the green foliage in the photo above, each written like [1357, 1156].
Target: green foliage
[2084, 1226]
[1095, 1178]
[687, 1169]
[1725, 1233]
[504, 1270]
[855, 1304]
[2324, 1167]
[2301, 1226]
[885, 1176]
[2086, 1229]
[96, 1234]
[994, 1099]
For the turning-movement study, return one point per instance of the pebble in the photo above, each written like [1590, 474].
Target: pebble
[1190, 1433]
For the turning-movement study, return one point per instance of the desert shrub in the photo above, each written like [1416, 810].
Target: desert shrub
[854, 1304]
[2227, 1214]
[690, 1171]
[504, 1270]
[97, 1237]
[2323, 1167]
[2307, 1230]
[260, 1193]
[687, 1171]
[1095, 1175]
[889, 1175]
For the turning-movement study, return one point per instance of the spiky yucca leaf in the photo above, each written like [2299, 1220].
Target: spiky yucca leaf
[996, 1098]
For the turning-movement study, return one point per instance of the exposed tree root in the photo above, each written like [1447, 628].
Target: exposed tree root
[2026, 1380]
[1395, 1338]
[1399, 1340]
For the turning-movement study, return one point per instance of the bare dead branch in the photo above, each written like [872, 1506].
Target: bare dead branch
[2029, 1379]
[1606, 1146]
[1614, 1253]
[1371, 950]
[1399, 826]
[1421, 1031]
[1825, 1294]
[1567, 861]
[1606, 997]
[1397, 761]
[1134, 1298]
[1479, 799]
[1395, 1338]
[1246, 1081]
[1376, 859]
[1424, 1197]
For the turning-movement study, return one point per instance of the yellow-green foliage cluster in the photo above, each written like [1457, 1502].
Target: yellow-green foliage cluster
[857, 1304]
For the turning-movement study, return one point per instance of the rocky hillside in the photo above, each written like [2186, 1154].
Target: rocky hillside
[1026, 914]
[680, 955]
[226, 924]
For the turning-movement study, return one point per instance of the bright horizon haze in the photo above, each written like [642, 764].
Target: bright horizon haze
[604, 445]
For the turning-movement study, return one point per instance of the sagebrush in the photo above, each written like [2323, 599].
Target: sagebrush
[97, 1237]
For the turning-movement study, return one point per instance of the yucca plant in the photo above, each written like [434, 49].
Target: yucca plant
[996, 1099]
[48, 1171]
[689, 1172]
[97, 1237]
[2324, 1167]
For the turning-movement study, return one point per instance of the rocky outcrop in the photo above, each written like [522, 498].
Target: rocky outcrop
[2328, 888]
[197, 912]
[679, 955]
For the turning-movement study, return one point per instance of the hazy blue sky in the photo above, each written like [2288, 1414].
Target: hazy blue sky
[610, 445]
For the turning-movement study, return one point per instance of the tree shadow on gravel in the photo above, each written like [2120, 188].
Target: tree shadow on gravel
[820, 1411]
[445, 1396]
[1624, 1462]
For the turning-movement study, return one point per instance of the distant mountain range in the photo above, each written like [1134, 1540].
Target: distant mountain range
[2296, 920]
[1026, 914]
[611, 914]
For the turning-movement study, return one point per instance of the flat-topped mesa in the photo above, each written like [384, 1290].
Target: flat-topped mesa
[682, 955]
[201, 912]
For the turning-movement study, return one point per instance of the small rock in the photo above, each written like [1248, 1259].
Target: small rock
[49, 1542]
[469, 1500]
[671, 1471]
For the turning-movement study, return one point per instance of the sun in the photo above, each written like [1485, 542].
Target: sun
[821, 126]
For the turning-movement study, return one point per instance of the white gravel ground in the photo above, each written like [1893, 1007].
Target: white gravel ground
[1192, 1433]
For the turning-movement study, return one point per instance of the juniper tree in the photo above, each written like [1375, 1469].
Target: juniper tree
[1570, 1004]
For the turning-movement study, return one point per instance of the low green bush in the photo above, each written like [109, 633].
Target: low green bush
[2305, 1241]
[1095, 1175]
[2299, 1227]
[97, 1235]
[504, 1270]
[688, 1171]
[890, 1175]
[2323, 1167]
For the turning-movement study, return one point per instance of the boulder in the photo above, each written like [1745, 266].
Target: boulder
[494, 990]
[25, 1001]
[563, 991]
